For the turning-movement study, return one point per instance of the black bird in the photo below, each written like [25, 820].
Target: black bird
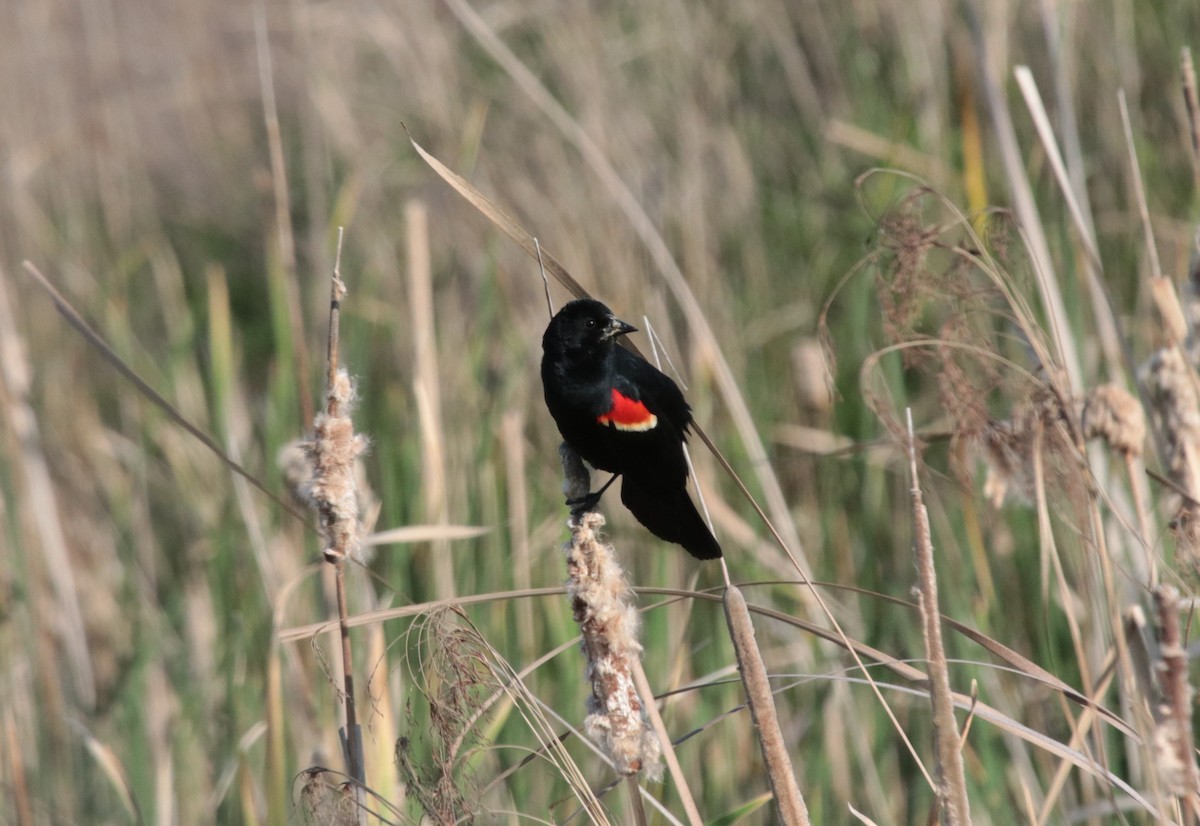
[623, 415]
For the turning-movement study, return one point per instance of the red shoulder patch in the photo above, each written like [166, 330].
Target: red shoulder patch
[627, 414]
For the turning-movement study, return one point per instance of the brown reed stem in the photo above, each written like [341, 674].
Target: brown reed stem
[333, 450]
[952, 783]
[353, 748]
[21, 806]
[635, 800]
[427, 378]
[333, 409]
[782, 777]
[668, 750]
[283, 217]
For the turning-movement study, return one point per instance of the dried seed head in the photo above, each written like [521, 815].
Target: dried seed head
[1185, 527]
[1113, 414]
[332, 452]
[603, 606]
[1004, 457]
[1008, 445]
[1175, 404]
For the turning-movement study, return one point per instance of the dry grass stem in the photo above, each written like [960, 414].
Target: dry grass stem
[1025, 205]
[1190, 100]
[1166, 301]
[73, 317]
[16, 376]
[285, 273]
[15, 771]
[1115, 416]
[457, 680]
[761, 701]
[952, 782]
[1139, 190]
[512, 437]
[642, 683]
[427, 382]
[1076, 197]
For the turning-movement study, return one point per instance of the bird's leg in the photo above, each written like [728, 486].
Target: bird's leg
[586, 503]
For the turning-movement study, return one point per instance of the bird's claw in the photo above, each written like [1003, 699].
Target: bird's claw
[583, 504]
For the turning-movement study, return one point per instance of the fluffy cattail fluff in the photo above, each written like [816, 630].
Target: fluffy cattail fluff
[1113, 414]
[602, 603]
[332, 450]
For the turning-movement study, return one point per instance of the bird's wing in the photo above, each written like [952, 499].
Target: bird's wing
[638, 379]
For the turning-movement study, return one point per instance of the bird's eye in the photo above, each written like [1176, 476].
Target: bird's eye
[591, 322]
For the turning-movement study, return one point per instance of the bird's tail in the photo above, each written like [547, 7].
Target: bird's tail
[670, 515]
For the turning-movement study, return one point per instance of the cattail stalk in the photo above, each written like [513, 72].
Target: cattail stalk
[762, 710]
[952, 783]
[332, 450]
[601, 601]
[1173, 716]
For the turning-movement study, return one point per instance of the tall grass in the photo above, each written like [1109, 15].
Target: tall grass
[179, 171]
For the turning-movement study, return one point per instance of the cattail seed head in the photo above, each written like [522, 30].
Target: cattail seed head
[1113, 414]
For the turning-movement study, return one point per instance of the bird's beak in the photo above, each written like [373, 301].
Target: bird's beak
[617, 327]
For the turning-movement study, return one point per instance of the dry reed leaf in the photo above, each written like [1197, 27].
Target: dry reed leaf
[1166, 300]
[114, 770]
[425, 533]
[384, 614]
[502, 220]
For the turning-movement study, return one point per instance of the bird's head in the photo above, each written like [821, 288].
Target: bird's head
[584, 326]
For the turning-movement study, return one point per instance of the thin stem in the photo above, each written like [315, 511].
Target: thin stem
[353, 747]
[660, 729]
[952, 785]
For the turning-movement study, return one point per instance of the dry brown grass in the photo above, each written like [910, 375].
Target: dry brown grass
[695, 159]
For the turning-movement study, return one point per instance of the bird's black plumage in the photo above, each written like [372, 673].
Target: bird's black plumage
[623, 415]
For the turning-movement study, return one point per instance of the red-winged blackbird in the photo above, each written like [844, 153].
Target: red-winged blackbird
[623, 415]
